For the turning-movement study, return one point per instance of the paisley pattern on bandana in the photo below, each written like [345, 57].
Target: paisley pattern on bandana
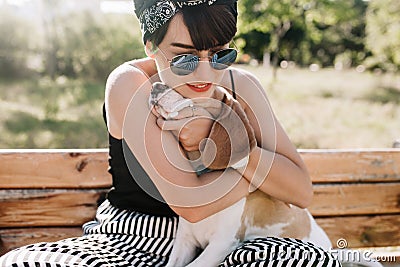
[157, 15]
[194, 2]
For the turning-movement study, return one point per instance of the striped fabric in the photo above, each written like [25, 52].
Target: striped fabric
[120, 238]
[273, 252]
[115, 238]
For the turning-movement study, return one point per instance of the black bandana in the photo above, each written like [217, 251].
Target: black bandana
[152, 14]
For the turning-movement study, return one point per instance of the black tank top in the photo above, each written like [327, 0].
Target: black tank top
[126, 193]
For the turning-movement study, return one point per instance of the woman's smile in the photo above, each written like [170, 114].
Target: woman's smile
[199, 87]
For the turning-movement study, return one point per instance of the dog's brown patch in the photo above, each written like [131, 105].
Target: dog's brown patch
[264, 211]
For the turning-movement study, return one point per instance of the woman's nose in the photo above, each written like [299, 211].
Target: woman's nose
[204, 69]
[203, 55]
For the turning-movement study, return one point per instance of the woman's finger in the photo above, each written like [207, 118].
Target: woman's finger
[186, 112]
[193, 111]
[154, 111]
[172, 125]
[207, 102]
[190, 148]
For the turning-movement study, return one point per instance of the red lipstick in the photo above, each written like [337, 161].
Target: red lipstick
[199, 87]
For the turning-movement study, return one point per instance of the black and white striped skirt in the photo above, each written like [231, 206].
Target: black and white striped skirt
[125, 238]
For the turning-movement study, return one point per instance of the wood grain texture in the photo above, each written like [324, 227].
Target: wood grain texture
[363, 231]
[51, 207]
[353, 165]
[356, 199]
[87, 168]
[56, 207]
[14, 238]
[54, 169]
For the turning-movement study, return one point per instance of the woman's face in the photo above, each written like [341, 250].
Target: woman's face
[201, 82]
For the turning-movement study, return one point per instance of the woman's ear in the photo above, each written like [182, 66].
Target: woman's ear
[150, 49]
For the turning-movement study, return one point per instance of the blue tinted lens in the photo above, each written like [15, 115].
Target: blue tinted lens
[187, 63]
[223, 59]
[184, 64]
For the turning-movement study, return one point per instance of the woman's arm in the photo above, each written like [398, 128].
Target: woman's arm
[274, 167]
[157, 151]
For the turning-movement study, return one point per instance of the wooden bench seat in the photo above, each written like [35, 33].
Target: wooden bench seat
[46, 195]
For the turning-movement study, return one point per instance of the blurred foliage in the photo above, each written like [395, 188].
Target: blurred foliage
[271, 21]
[76, 44]
[15, 45]
[304, 31]
[337, 31]
[91, 46]
[383, 34]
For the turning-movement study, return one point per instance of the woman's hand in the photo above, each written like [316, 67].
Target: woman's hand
[193, 132]
[190, 130]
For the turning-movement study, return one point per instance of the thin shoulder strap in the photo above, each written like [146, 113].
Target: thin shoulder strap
[232, 84]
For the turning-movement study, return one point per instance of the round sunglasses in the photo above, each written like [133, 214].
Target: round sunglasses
[187, 63]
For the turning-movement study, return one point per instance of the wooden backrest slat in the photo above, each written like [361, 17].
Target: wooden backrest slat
[356, 199]
[51, 207]
[59, 207]
[353, 165]
[87, 168]
[14, 238]
[54, 169]
[363, 231]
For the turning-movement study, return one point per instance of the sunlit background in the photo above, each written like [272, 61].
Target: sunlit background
[329, 67]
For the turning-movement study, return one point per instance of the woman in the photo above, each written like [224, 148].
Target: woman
[135, 226]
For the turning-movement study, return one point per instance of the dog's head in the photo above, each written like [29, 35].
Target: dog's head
[157, 92]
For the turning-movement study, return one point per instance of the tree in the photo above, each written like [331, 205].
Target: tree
[92, 45]
[16, 44]
[85, 43]
[50, 17]
[273, 19]
[336, 30]
[383, 34]
[305, 31]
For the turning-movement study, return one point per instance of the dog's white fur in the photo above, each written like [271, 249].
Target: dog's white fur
[257, 215]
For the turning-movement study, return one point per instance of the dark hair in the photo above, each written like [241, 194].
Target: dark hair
[208, 27]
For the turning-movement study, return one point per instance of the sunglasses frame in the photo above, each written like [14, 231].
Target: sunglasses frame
[213, 64]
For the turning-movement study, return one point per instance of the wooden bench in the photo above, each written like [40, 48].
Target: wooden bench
[46, 195]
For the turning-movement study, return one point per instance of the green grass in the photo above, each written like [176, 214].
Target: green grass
[52, 114]
[324, 109]
[335, 109]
